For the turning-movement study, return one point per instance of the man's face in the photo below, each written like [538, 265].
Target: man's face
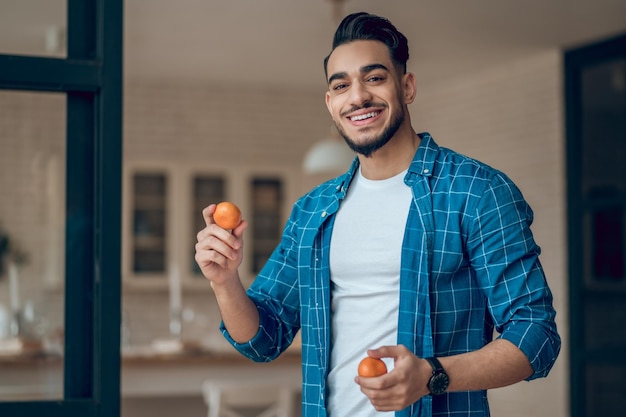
[365, 95]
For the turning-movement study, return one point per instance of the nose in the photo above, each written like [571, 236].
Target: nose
[359, 95]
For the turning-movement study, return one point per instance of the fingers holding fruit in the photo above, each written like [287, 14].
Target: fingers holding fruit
[369, 371]
[398, 388]
[219, 248]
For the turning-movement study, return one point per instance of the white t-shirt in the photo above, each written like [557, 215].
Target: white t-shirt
[365, 252]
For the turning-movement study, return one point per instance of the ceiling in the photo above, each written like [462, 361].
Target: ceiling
[281, 43]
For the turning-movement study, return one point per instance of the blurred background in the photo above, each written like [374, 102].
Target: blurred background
[225, 101]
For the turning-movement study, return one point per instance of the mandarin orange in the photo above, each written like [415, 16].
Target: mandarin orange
[227, 215]
[370, 367]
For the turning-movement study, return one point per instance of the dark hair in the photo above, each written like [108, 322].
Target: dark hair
[365, 26]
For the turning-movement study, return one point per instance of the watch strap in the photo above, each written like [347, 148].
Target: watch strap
[435, 364]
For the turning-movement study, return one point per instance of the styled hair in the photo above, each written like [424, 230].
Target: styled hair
[363, 26]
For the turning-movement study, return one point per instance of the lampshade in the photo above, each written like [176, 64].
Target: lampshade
[327, 156]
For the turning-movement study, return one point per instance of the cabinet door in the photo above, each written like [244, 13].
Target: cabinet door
[149, 219]
[267, 201]
[206, 190]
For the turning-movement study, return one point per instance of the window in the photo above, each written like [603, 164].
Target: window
[596, 142]
[90, 79]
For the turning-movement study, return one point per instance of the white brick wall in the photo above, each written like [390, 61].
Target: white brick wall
[216, 123]
[511, 117]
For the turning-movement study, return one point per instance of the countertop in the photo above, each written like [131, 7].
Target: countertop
[187, 353]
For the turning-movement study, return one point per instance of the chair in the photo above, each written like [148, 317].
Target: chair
[274, 395]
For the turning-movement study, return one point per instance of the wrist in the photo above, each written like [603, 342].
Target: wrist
[226, 283]
[438, 380]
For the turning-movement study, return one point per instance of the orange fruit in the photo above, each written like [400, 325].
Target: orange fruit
[227, 215]
[370, 367]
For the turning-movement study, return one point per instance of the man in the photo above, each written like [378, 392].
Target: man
[415, 255]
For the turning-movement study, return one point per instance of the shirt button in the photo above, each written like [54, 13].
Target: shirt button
[323, 214]
[426, 171]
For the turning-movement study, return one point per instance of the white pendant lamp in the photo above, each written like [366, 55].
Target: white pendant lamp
[329, 155]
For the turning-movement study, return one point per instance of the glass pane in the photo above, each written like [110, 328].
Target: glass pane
[149, 222]
[604, 173]
[606, 390]
[608, 249]
[604, 126]
[32, 244]
[33, 27]
[207, 189]
[605, 315]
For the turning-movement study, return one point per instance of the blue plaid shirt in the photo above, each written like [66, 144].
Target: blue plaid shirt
[469, 265]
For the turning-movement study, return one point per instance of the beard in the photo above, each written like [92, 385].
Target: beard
[372, 143]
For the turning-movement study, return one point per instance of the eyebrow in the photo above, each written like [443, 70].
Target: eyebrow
[364, 70]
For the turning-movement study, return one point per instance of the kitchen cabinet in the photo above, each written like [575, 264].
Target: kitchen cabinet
[162, 213]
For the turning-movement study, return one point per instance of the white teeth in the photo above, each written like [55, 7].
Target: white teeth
[363, 116]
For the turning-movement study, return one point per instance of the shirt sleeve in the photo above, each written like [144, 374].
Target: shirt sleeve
[506, 259]
[275, 293]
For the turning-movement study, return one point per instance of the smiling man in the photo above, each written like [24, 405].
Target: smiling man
[368, 103]
[415, 255]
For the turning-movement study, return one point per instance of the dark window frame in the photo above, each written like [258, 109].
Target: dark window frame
[91, 77]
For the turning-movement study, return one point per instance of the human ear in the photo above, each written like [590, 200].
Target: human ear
[328, 106]
[409, 87]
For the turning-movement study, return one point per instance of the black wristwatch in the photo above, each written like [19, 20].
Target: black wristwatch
[439, 380]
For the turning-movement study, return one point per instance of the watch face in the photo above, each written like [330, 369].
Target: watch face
[438, 384]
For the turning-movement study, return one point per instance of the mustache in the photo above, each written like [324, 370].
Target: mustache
[363, 107]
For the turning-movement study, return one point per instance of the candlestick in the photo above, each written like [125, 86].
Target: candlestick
[14, 289]
[175, 323]
[14, 299]
[175, 288]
